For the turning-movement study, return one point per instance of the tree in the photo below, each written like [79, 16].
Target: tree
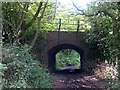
[14, 21]
[103, 37]
[39, 20]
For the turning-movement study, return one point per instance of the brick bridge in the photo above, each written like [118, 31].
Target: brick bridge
[56, 41]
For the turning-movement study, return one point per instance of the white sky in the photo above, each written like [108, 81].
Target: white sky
[79, 3]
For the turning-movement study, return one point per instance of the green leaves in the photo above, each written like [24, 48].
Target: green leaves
[67, 57]
[22, 70]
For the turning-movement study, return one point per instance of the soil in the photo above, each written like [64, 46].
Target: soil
[80, 81]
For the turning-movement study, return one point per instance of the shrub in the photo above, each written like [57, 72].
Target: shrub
[2, 68]
[22, 71]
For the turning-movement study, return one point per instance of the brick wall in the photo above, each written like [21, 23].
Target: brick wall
[55, 38]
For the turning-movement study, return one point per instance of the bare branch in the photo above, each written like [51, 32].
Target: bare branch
[83, 13]
[22, 17]
[89, 15]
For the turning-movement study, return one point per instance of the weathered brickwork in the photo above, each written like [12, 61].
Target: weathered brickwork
[56, 41]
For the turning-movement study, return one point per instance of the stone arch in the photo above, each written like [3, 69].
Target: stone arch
[54, 50]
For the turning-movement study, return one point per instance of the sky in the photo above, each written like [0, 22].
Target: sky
[79, 3]
[67, 6]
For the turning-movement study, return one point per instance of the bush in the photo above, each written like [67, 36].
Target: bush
[2, 68]
[22, 71]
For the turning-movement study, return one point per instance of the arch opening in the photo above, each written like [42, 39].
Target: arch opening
[54, 64]
[68, 59]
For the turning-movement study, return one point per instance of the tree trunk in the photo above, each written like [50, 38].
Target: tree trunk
[39, 21]
[33, 19]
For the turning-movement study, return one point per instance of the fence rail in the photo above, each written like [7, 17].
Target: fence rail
[59, 24]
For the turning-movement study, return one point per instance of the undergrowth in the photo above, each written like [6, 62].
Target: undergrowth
[108, 74]
[22, 70]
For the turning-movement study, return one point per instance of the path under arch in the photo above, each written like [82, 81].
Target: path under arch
[52, 59]
[77, 81]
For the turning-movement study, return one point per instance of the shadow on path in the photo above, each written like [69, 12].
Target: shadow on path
[79, 81]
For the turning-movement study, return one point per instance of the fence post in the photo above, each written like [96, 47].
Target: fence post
[59, 24]
[59, 29]
[78, 26]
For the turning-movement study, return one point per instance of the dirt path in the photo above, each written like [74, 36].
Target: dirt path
[77, 81]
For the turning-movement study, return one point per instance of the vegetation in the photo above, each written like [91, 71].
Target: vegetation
[30, 21]
[103, 38]
[22, 70]
[67, 57]
[2, 68]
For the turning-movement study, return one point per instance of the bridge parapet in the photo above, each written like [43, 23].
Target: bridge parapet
[55, 38]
